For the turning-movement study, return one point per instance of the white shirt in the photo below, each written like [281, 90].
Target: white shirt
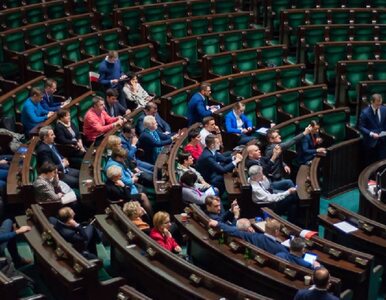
[261, 194]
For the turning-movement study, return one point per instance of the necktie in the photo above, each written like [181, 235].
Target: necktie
[53, 148]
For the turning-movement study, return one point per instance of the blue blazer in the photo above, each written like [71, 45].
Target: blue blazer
[225, 216]
[197, 109]
[49, 104]
[306, 294]
[369, 123]
[118, 109]
[210, 165]
[163, 126]
[148, 144]
[306, 150]
[294, 259]
[257, 239]
[231, 122]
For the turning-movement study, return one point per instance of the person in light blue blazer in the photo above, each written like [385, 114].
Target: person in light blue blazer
[237, 122]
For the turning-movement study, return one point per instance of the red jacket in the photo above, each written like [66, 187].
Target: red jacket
[96, 124]
[166, 242]
[195, 151]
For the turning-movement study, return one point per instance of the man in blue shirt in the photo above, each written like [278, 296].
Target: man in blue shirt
[33, 113]
[197, 106]
[321, 280]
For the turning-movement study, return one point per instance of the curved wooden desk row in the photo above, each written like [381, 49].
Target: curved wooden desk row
[369, 205]
[255, 82]
[245, 263]
[62, 267]
[354, 268]
[153, 269]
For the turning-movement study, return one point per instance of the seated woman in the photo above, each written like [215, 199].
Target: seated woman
[190, 193]
[124, 183]
[82, 237]
[185, 162]
[194, 146]
[237, 122]
[136, 213]
[136, 96]
[48, 187]
[113, 142]
[161, 234]
[66, 133]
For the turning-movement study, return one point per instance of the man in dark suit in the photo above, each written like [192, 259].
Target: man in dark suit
[245, 231]
[151, 109]
[46, 151]
[213, 165]
[151, 141]
[309, 145]
[82, 238]
[321, 280]
[215, 211]
[372, 122]
[197, 106]
[48, 102]
[112, 105]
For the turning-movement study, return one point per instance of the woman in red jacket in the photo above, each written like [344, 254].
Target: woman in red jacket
[161, 234]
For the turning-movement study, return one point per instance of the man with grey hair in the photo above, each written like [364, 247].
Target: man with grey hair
[151, 141]
[372, 122]
[279, 202]
[46, 151]
[245, 231]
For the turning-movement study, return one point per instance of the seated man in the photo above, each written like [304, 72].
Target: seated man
[245, 231]
[210, 127]
[97, 121]
[33, 113]
[129, 142]
[48, 187]
[82, 237]
[151, 109]
[112, 106]
[215, 211]
[295, 255]
[279, 202]
[48, 102]
[309, 145]
[212, 165]
[111, 74]
[47, 152]
[152, 141]
[8, 240]
[321, 280]
[197, 105]
[237, 122]
[280, 168]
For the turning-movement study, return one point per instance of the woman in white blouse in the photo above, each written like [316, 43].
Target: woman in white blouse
[135, 95]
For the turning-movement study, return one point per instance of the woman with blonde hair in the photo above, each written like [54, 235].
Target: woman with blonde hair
[135, 212]
[161, 234]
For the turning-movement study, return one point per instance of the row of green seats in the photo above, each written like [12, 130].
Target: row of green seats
[34, 13]
[350, 73]
[232, 88]
[132, 17]
[310, 35]
[291, 19]
[232, 62]
[328, 54]
[161, 32]
[193, 48]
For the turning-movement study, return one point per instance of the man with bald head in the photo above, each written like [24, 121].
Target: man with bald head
[321, 280]
[245, 231]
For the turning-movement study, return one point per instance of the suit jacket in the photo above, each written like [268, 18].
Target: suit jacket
[63, 135]
[314, 294]
[115, 110]
[148, 144]
[45, 153]
[163, 126]
[306, 150]
[231, 122]
[197, 109]
[44, 190]
[49, 104]
[166, 242]
[265, 162]
[294, 259]
[210, 165]
[116, 193]
[76, 236]
[225, 216]
[257, 239]
[369, 123]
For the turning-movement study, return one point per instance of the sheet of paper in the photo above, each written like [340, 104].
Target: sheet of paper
[345, 227]
[261, 225]
[262, 130]
[286, 243]
[382, 134]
